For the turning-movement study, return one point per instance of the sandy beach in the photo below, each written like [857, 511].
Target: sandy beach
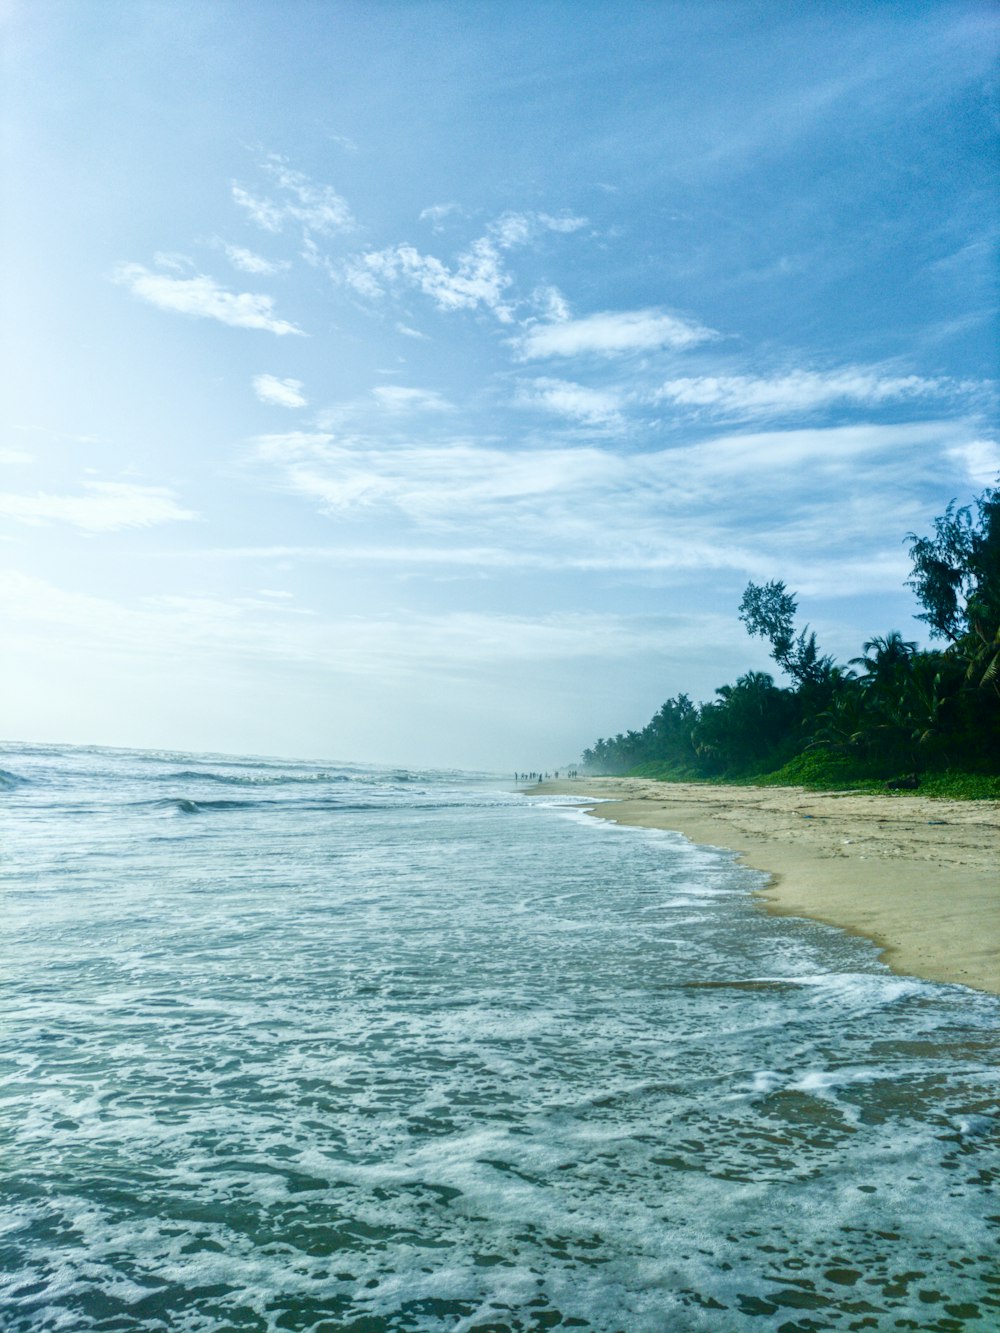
[919, 877]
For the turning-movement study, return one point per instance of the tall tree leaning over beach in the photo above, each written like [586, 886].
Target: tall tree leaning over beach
[768, 611]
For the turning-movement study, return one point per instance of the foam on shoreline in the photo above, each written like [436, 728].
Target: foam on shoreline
[918, 877]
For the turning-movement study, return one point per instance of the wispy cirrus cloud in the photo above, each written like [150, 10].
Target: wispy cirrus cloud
[981, 460]
[466, 483]
[594, 407]
[666, 557]
[104, 507]
[633, 558]
[454, 482]
[202, 297]
[397, 398]
[801, 390]
[173, 260]
[248, 261]
[799, 460]
[378, 647]
[279, 393]
[550, 304]
[437, 213]
[659, 511]
[611, 333]
[316, 208]
[345, 142]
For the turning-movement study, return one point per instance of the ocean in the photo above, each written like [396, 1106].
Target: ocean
[302, 1046]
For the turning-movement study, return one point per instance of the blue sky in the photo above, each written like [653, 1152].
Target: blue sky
[423, 383]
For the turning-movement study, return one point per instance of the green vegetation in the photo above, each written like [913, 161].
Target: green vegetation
[895, 718]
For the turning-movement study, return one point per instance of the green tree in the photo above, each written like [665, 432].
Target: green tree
[748, 726]
[885, 656]
[908, 712]
[667, 736]
[956, 576]
[768, 612]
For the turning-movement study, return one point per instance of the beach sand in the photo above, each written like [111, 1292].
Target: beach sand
[919, 877]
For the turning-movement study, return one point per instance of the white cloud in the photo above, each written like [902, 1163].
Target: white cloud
[753, 503]
[635, 558]
[12, 456]
[267, 215]
[249, 262]
[442, 477]
[566, 223]
[550, 304]
[596, 407]
[798, 391]
[449, 482]
[279, 393]
[437, 213]
[106, 507]
[478, 277]
[376, 646]
[981, 460]
[611, 333]
[468, 483]
[411, 333]
[318, 208]
[799, 460]
[203, 298]
[169, 259]
[512, 229]
[395, 398]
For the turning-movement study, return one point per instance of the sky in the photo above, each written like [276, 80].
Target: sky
[422, 383]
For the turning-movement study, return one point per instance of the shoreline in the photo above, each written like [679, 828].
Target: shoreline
[917, 876]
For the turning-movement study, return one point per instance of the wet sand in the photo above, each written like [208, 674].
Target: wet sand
[919, 877]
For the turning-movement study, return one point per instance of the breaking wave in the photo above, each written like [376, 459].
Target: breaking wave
[253, 779]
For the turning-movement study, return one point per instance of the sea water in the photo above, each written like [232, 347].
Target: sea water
[292, 1046]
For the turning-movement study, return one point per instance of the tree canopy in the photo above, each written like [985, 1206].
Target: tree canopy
[893, 710]
[768, 612]
[956, 576]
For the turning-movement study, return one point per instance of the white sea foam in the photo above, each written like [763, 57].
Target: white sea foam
[449, 1057]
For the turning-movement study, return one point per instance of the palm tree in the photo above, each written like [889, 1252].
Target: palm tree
[884, 655]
